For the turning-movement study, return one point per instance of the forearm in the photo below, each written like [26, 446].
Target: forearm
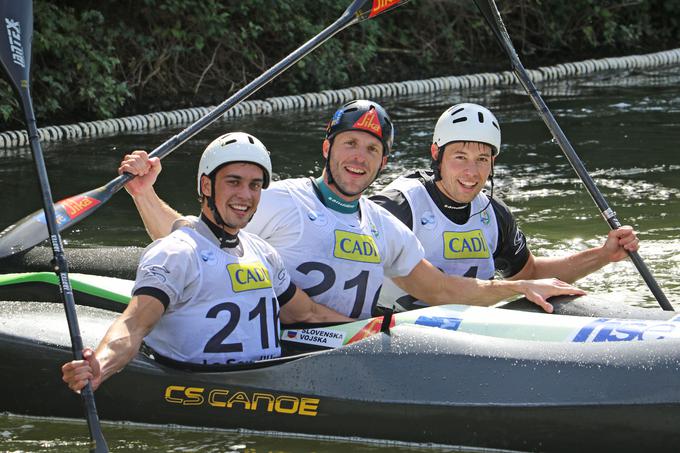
[303, 309]
[429, 284]
[117, 349]
[321, 313]
[316, 313]
[114, 355]
[124, 338]
[568, 268]
[157, 215]
[470, 291]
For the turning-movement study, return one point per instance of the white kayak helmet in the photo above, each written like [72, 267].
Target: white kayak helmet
[234, 147]
[468, 123]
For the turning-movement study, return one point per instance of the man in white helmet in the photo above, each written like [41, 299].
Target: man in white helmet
[208, 293]
[337, 245]
[464, 231]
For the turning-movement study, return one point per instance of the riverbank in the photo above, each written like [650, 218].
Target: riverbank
[108, 59]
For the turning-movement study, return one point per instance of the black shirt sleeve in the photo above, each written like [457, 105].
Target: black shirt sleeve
[155, 293]
[287, 295]
[396, 203]
[512, 252]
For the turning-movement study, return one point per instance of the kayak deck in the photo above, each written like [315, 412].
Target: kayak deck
[415, 384]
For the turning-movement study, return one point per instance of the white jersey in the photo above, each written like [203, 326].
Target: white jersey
[222, 307]
[464, 250]
[339, 260]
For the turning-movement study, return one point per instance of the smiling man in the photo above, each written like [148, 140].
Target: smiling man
[336, 244]
[464, 231]
[207, 293]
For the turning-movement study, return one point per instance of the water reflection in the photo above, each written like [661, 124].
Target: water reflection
[20, 434]
[624, 127]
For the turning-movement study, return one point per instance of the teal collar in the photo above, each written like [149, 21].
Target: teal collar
[332, 201]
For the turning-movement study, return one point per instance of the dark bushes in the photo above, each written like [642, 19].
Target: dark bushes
[94, 60]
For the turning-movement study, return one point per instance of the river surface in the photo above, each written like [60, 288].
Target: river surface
[624, 126]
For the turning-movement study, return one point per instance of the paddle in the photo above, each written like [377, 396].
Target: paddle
[30, 230]
[493, 17]
[15, 55]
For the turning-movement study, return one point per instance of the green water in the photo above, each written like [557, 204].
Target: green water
[21, 434]
[625, 127]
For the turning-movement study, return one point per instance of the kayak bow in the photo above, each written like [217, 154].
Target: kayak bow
[417, 384]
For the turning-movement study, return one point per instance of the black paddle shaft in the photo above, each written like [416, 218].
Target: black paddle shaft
[493, 17]
[30, 231]
[15, 53]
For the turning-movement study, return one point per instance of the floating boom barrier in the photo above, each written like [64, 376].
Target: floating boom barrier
[177, 118]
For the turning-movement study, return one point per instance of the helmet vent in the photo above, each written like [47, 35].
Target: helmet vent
[467, 123]
[229, 142]
[353, 109]
[250, 139]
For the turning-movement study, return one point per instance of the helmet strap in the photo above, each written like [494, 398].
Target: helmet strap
[490, 194]
[491, 180]
[436, 164]
[227, 240]
[328, 164]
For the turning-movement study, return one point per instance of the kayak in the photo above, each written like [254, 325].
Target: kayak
[596, 376]
[472, 377]
[119, 265]
[412, 383]
[606, 322]
[118, 262]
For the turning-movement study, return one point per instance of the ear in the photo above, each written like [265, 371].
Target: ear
[434, 151]
[384, 162]
[205, 185]
[326, 147]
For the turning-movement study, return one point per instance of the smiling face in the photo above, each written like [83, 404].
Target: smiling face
[356, 159]
[464, 169]
[238, 187]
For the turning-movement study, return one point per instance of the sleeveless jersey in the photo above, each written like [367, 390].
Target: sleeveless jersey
[465, 250]
[338, 263]
[223, 308]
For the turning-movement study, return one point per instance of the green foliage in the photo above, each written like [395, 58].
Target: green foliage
[94, 60]
[665, 18]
